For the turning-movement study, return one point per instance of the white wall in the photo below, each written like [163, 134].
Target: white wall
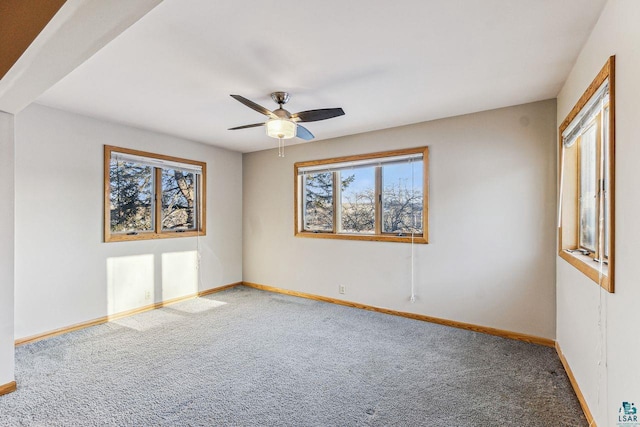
[597, 331]
[6, 246]
[492, 224]
[64, 273]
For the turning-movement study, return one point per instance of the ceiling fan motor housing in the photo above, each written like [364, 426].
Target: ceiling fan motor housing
[280, 97]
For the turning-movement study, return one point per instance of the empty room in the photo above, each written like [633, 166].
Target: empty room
[411, 213]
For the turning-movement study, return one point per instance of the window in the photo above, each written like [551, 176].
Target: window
[586, 221]
[150, 196]
[379, 196]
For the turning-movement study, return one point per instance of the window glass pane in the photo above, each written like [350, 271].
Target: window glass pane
[588, 214]
[131, 197]
[179, 200]
[402, 197]
[357, 200]
[318, 201]
[605, 159]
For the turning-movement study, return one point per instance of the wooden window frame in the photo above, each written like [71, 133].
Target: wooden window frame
[157, 232]
[601, 273]
[378, 235]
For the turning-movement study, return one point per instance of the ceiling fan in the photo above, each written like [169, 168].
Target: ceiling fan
[284, 125]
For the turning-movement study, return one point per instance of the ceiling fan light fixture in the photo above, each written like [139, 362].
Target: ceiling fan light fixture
[281, 128]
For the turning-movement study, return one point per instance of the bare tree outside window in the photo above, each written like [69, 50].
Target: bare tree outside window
[131, 195]
[178, 200]
[402, 198]
[358, 202]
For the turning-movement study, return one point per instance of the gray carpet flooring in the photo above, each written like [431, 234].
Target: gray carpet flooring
[244, 357]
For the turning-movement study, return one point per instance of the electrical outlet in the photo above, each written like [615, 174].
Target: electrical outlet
[147, 295]
[342, 289]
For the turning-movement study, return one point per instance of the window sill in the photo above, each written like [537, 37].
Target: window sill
[589, 268]
[152, 236]
[367, 237]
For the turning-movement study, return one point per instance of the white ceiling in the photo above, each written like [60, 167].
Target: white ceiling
[385, 63]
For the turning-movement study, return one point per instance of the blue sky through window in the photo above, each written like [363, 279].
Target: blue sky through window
[392, 174]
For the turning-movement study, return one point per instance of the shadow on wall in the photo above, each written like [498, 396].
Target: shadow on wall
[140, 280]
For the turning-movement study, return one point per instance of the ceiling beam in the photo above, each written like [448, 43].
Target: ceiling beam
[78, 30]
[20, 22]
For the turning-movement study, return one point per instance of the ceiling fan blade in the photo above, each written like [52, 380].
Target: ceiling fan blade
[303, 133]
[316, 115]
[247, 126]
[259, 108]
